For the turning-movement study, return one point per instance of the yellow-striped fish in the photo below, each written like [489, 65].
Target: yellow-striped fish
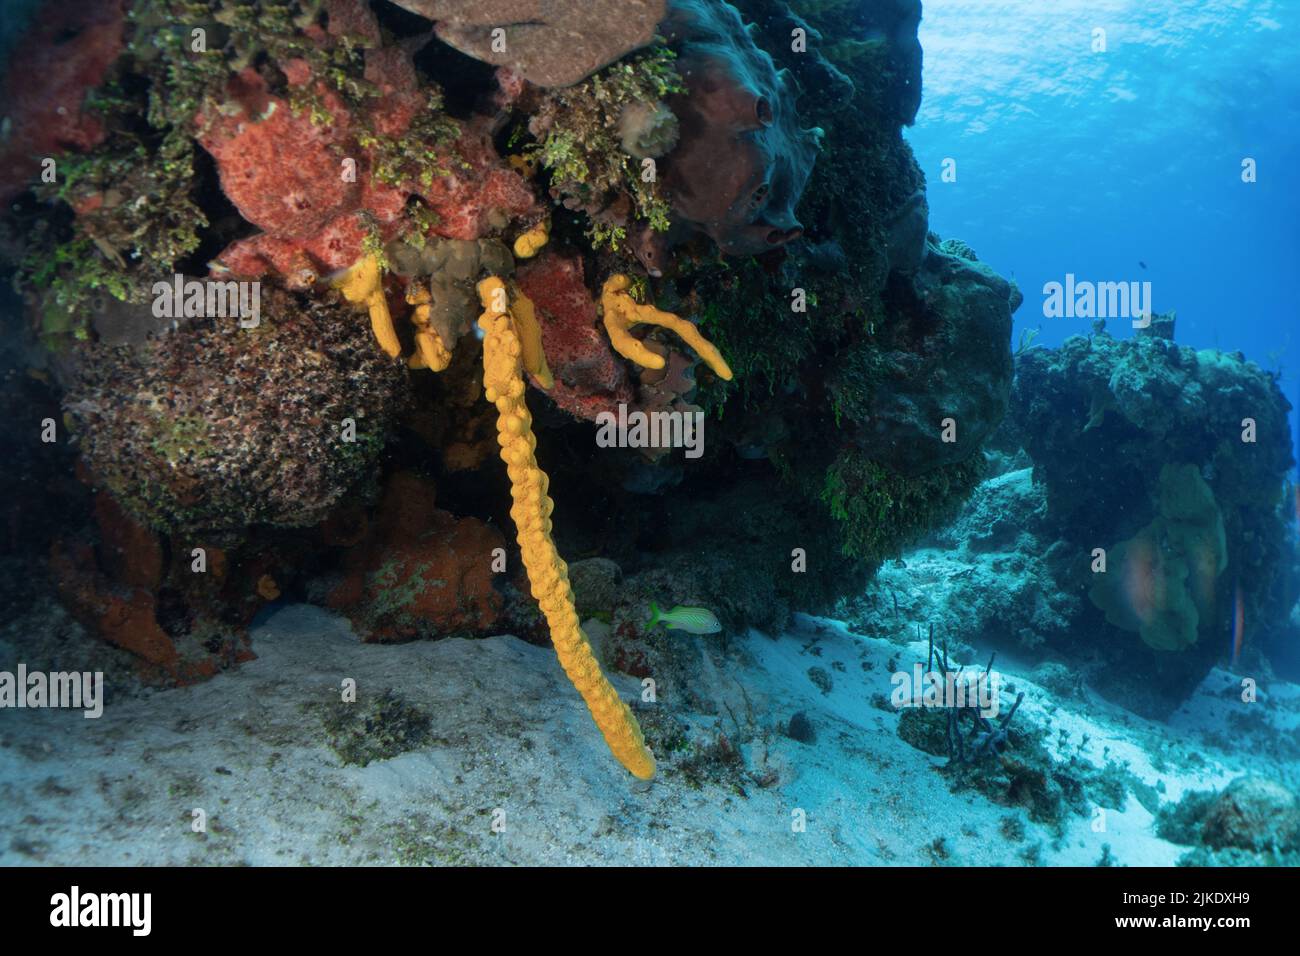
[692, 620]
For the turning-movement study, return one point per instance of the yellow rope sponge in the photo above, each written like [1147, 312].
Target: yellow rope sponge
[363, 284]
[503, 384]
[430, 351]
[530, 243]
[622, 312]
[530, 339]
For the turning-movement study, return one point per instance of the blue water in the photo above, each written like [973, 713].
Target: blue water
[1070, 160]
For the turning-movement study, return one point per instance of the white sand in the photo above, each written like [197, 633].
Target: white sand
[511, 735]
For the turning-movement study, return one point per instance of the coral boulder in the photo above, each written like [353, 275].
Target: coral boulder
[420, 571]
[940, 381]
[548, 42]
[214, 426]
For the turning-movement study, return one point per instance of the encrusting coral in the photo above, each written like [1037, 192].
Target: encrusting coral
[504, 386]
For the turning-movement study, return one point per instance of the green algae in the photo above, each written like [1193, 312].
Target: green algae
[880, 511]
[583, 151]
[377, 728]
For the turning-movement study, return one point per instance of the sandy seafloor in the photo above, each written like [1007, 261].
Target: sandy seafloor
[512, 744]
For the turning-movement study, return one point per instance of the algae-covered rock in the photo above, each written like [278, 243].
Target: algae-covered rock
[378, 728]
[595, 583]
[945, 356]
[1100, 416]
[1253, 820]
[1181, 456]
[215, 427]
[926, 729]
[1253, 813]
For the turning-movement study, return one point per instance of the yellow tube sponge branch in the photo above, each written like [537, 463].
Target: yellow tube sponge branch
[531, 242]
[503, 384]
[363, 284]
[530, 340]
[622, 312]
[430, 351]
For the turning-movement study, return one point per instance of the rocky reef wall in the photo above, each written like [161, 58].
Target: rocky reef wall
[701, 172]
[1136, 529]
[1165, 471]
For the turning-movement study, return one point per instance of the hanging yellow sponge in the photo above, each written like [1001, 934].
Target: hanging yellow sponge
[622, 312]
[530, 340]
[430, 352]
[531, 242]
[503, 383]
[363, 284]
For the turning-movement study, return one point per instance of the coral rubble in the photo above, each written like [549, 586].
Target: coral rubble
[1253, 821]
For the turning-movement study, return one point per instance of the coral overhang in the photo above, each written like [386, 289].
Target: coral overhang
[341, 140]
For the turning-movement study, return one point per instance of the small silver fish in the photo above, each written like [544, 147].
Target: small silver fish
[692, 620]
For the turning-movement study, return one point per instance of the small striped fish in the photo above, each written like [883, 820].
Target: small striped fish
[693, 620]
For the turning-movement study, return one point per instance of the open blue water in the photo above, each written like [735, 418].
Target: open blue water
[1070, 160]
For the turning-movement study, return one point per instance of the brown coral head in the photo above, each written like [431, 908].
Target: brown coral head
[548, 42]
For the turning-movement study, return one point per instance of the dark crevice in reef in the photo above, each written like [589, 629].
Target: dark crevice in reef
[465, 82]
[174, 613]
[402, 24]
[225, 225]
